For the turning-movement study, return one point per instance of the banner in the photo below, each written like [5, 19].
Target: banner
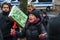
[17, 15]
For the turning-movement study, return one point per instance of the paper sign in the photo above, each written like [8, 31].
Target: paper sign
[17, 15]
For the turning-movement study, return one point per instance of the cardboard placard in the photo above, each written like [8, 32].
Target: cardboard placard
[17, 15]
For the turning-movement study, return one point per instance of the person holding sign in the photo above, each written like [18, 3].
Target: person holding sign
[32, 30]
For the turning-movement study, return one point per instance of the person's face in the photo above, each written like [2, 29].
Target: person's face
[44, 15]
[32, 17]
[5, 8]
[29, 8]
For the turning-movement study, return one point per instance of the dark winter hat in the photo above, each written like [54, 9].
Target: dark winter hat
[36, 13]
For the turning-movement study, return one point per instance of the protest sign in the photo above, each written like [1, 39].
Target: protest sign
[17, 15]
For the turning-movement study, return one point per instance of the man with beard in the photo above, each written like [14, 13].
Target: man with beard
[5, 22]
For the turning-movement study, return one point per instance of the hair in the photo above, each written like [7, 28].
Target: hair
[31, 4]
[5, 3]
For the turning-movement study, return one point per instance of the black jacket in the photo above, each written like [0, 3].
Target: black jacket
[45, 22]
[31, 31]
[54, 28]
[5, 24]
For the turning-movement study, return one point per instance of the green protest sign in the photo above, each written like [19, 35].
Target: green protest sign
[17, 15]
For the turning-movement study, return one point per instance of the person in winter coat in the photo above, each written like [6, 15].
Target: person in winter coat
[45, 20]
[35, 19]
[54, 28]
[32, 30]
[5, 22]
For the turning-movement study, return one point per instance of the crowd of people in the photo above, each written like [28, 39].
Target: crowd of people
[38, 25]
